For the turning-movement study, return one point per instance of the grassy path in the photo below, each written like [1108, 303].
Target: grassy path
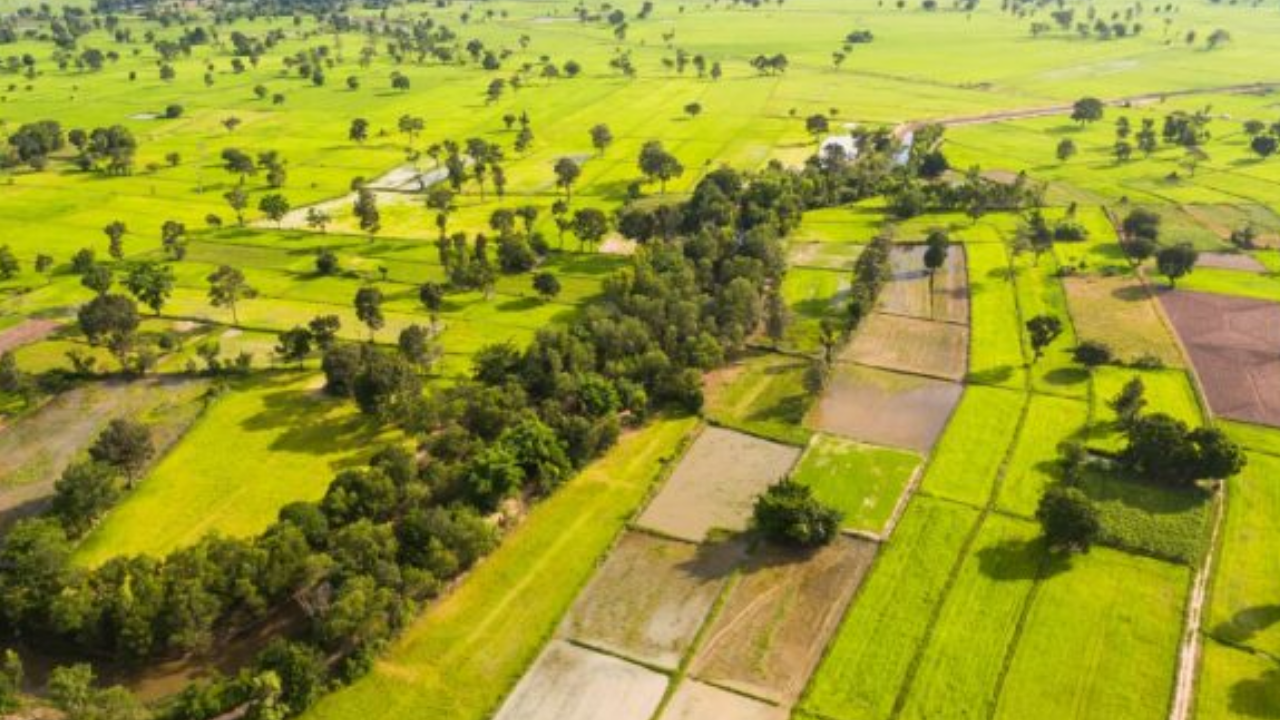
[464, 653]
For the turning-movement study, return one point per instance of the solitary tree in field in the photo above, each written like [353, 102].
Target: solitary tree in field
[937, 245]
[788, 513]
[9, 265]
[1176, 261]
[317, 219]
[110, 320]
[1069, 519]
[227, 287]
[411, 126]
[693, 110]
[359, 130]
[1091, 354]
[115, 231]
[601, 138]
[546, 285]
[1066, 149]
[567, 173]
[658, 164]
[294, 345]
[1087, 110]
[366, 211]
[817, 125]
[1043, 329]
[239, 163]
[274, 206]
[1264, 146]
[238, 199]
[368, 305]
[1217, 39]
[126, 445]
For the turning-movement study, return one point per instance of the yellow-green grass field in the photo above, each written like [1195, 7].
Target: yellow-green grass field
[1243, 608]
[995, 345]
[862, 481]
[1236, 684]
[1034, 464]
[968, 458]
[1168, 391]
[873, 651]
[763, 395]
[269, 441]
[467, 651]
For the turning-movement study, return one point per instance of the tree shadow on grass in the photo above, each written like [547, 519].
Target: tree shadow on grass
[715, 559]
[311, 423]
[1247, 623]
[1065, 376]
[518, 304]
[1149, 497]
[1257, 697]
[1014, 560]
[991, 376]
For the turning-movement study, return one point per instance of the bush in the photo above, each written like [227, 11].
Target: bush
[788, 514]
[1068, 518]
[1092, 353]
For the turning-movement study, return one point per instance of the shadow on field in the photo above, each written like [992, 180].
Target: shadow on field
[308, 422]
[1247, 623]
[991, 376]
[1259, 697]
[1066, 376]
[1014, 560]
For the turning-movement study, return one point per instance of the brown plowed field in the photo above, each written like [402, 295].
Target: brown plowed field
[1234, 344]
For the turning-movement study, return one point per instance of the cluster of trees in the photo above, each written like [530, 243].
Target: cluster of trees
[1141, 240]
[88, 489]
[1158, 449]
[1264, 139]
[109, 150]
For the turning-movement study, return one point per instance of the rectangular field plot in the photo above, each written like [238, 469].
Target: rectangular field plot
[1120, 312]
[959, 672]
[968, 457]
[776, 621]
[716, 483]
[698, 701]
[822, 255]
[1100, 641]
[763, 395]
[885, 408]
[1245, 608]
[572, 683]
[1236, 684]
[871, 655]
[650, 597]
[911, 293]
[995, 353]
[862, 481]
[1034, 465]
[1233, 343]
[1150, 519]
[912, 345]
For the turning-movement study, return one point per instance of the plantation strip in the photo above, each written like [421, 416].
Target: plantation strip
[465, 653]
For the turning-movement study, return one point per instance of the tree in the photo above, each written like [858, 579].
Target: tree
[1068, 519]
[110, 320]
[368, 304]
[1092, 354]
[1043, 329]
[817, 125]
[1066, 149]
[98, 278]
[1176, 261]
[590, 225]
[567, 173]
[11, 676]
[36, 557]
[658, 164]
[239, 163]
[788, 514]
[1264, 145]
[151, 283]
[359, 131]
[601, 138]
[417, 345]
[9, 265]
[327, 262]
[115, 231]
[294, 345]
[366, 211]
[227, 287]
[1087, 110]
[411, 126]
[1217, 39]
[431, 295]
[935, 253]
[1162, 449]
[546, 285]
[324, 330]
[693, 110]
[317, 219]
[274, 206]
[125, 445]
[1129, 402]
[83, 494]
[238, 199]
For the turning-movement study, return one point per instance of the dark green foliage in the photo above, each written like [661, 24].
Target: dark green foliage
[1129, 402]
[1162, 449]
[1043, 329]
[1176, 261]
[788, 514]
[1068, 518]
[125, 445]
[1092, 353]
[83, 494]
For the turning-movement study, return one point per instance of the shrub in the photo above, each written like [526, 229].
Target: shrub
[788, 514]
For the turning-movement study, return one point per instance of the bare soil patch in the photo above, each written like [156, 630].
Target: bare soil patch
[716, 483]
[1120, 312]
[885, 408]
[699, 701]
[908, 293]
[1234, 345]
[615, 244]
[1231, 261]
[650, 597]
[776, 622]
[909, 344]
[572, 683]
[25, 333]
